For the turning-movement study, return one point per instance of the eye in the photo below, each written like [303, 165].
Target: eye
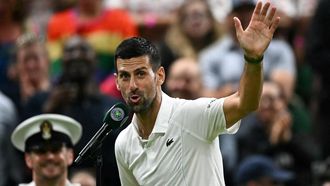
[141, 74]
[124, 76]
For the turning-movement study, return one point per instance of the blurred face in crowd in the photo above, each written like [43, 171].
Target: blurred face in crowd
[51, 164]
[196, 19]
[138, 83]
[78, 61]
[184, 79]
[264, 181]
[78, 70]
[326, 184]
[84, 179]
[271, 102]
[32, 63]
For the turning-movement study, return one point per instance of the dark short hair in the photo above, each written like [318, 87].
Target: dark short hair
[136, 47]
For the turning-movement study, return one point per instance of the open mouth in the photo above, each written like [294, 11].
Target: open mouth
[135, 99]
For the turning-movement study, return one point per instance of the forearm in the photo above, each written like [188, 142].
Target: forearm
[254, 40]
[247, 98]
[250, 87]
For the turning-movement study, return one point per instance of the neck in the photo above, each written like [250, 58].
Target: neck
[146, 120]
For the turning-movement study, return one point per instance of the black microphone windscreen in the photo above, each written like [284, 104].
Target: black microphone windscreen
[116, 116]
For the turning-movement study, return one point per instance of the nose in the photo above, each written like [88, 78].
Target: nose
[49, 155]
[132, 84]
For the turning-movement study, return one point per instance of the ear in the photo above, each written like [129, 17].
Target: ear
[160, 76]
[69, 156]
[117, 84]
[28, 160]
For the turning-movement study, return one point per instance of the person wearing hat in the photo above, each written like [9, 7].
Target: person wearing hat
[76, 94]
[47, 141]
[258, 170]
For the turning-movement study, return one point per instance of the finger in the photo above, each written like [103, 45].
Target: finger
[257, 9]
[274, 25]
[238, 26]
[265, 10]
[271, 14]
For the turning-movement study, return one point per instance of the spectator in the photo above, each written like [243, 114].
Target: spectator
[222, 63]
[47, 141]
[12, 19]
[148, 13]
[261, 171]
[30, 69]
[317, 56]
[32, 65]
[102, 28]
[184, 79]
[269, 132]
[194, 30]
[83, 177]
[163, 11]
[76, 95]
[10, 165]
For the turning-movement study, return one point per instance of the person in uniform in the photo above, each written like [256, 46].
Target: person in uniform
[47, 142]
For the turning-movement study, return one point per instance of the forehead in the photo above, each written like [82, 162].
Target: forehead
[270, 89]
[133, 63]
[33, 47]
[187, 67]
[195, 6]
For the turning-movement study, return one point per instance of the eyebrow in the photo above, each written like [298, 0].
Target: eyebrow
[136, 70]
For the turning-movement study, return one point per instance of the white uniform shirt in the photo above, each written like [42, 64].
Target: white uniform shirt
[34, 184]
[183, 148]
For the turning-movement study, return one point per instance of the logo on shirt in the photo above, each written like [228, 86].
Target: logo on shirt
[209, 105]
[169, 142]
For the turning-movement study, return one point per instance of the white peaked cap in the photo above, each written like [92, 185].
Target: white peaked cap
[31, 126]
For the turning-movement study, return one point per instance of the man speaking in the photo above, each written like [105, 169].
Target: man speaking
[175, 141]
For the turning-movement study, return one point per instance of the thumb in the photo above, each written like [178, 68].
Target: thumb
[238, 26]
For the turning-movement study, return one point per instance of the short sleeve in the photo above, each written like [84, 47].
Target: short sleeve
[205, 118]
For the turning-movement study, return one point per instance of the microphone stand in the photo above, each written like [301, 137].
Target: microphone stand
[97, 152]
[99, 164]
[118, 116]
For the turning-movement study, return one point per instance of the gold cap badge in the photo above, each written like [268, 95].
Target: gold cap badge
[46, 129]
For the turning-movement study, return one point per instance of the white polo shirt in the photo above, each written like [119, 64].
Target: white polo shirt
[183, 148]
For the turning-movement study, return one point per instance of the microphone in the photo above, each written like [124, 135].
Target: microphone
[115, 117]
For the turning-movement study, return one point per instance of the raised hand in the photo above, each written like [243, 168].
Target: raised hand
[255, 39]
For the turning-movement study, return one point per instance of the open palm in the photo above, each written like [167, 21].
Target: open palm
[256, 37]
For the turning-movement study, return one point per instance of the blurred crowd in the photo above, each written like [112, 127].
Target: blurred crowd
[57, 57]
